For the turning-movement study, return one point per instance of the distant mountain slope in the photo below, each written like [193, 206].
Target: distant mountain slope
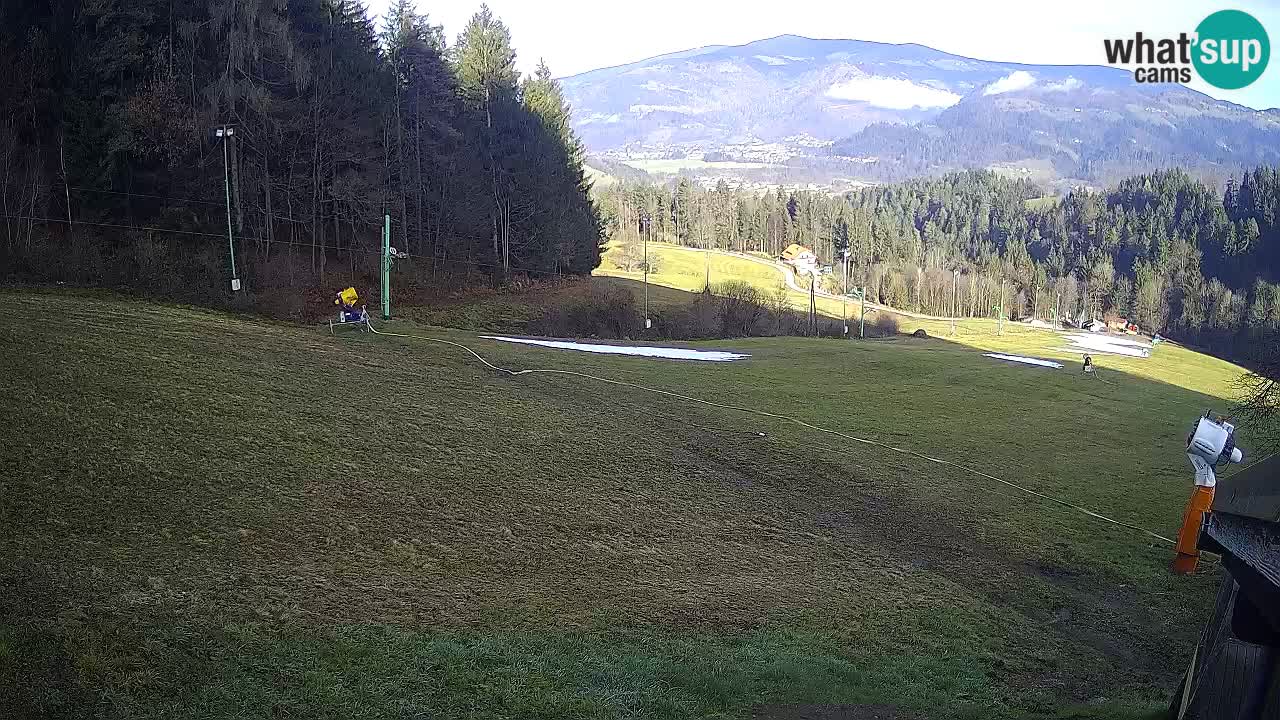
[792, 94]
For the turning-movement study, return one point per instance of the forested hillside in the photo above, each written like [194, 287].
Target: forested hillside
[1098, 136]
[1164, 250]
[113, 173]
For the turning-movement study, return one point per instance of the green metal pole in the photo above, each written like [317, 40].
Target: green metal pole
[226, 181]
[386, 267]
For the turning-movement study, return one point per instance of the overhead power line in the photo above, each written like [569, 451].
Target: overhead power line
[276, 241]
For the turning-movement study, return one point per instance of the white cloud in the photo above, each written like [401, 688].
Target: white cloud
[1016, 80]
[770, 60]
[894, 93]
[1068, 84]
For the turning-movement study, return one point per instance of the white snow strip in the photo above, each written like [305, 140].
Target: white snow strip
[895, 93]
[657, 352]
[1064, 86]
[1112, 350]
[643, 109]
[1109, 344]
[1027, 360]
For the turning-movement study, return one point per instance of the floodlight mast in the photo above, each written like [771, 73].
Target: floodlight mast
[225, 132]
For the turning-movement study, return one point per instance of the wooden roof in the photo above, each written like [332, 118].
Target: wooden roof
[1253, 492]
[793, 251]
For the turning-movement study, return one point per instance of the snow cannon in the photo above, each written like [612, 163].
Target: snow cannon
[347, 310]
[1212, 442]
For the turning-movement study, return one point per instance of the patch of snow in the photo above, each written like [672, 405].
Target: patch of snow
[770, 60]
[655, 86]
[648, 69]
[955, 65]
[1038, 323]
[1016, 80]
[793, 58]
[655, 352]
[600, 117]
[893, 93]
[1027, 360]
[1065, 85]
[1108, 344]
[682, 109]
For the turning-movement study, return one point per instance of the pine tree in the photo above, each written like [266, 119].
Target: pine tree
[487, 77]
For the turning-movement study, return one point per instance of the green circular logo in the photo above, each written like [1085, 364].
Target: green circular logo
[1232, 49]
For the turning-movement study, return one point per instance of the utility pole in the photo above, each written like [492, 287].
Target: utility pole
[226, 132]
[706, 246]
[645, 224]
[1000, 310]
[813, 307]
[66, 184]
[862, 324]
[955, 298]
[675, 215]
[844, 295]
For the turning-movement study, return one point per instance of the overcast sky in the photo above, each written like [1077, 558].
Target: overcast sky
[578, 35]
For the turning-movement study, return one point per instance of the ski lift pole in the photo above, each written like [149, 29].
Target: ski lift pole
[386, 267]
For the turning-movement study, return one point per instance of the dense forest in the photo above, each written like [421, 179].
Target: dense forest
[1102, 145]
[114, 174]
[1162, 250]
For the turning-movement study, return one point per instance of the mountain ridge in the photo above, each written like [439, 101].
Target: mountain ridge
[793, 36]
[823, 108]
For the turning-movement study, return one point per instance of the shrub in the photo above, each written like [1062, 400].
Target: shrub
[602, 312]
[883, 325]
[699, 319]
[743, 309]
[630, 256]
